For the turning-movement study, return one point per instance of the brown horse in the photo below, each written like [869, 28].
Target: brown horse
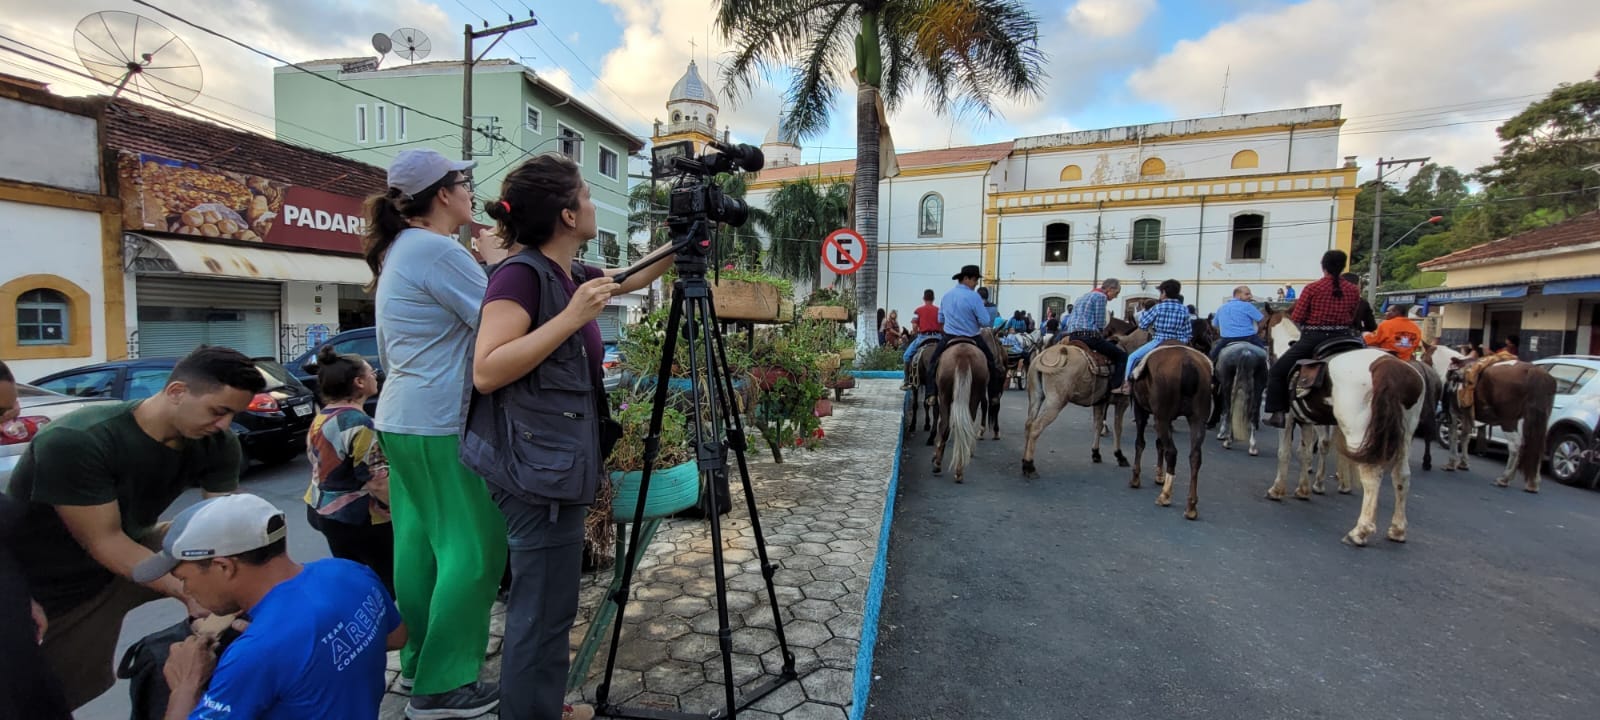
[1061, 374]
[1175, 382]
[921, 363]
[961, 377]
[1518, 396]
[997, 383]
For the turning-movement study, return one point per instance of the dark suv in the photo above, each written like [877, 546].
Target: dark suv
[361, 341]
[272, 430]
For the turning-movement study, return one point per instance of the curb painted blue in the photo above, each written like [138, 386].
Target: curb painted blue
[879, 374]
[880, 568]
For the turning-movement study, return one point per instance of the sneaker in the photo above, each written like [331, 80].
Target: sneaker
[407, 683]
[467, 701]
[576, 712]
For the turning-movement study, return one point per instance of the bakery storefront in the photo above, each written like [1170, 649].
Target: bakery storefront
[246, 261]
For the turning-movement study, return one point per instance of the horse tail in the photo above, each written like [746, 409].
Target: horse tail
[963, 431]
[1395, 388]
[1244, 391]
[1538, 393]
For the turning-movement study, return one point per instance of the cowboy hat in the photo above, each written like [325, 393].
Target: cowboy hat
[968, 271]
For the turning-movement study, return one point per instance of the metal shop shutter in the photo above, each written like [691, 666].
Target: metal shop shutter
[209, 293]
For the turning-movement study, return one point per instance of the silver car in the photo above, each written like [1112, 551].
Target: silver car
[1574, 418]
[39, 408]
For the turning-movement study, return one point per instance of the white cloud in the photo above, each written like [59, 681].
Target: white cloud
[1393, 66]
[1109, 18]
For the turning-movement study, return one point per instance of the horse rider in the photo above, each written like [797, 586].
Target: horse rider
[1365, 321]
[963, 314]
[1168, 320]
[992, 310]
[1238, 320]
[1087, 324]
[1397, 334]
[925, 323]
[1326, 309]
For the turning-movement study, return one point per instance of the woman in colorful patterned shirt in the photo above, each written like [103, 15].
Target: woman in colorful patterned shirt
[348, 500]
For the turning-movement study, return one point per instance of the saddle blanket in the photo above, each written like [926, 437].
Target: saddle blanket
[1053, 359]
[1138, 371]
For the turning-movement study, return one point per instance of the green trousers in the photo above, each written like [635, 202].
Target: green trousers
[449, 554]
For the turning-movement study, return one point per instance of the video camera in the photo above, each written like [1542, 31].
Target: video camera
[693, 198]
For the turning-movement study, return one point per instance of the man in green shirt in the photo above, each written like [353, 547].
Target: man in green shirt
[96, 482]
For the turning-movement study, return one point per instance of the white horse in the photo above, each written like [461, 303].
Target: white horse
[1313, 446]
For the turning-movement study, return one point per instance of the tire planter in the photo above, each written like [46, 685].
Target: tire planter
[672, 490]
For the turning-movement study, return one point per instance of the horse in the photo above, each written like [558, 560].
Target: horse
[961, 375]
[1065, 373]
[920, 367]
[996, 384]
[1281, 333]
[1516, 395]
[1175, 382]
[1241, 379]
[1375, 400]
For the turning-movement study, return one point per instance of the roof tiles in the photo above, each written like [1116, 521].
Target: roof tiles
[1580, 230]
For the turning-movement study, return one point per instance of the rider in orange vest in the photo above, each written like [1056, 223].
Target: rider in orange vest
[1396, 334]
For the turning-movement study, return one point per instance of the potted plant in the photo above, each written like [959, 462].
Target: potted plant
[830, 304]
[675, 482]
[748, 295]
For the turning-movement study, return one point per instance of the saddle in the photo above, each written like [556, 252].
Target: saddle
[1138, 370]
[1098, 364]
[1466, 393]
[1312, 375]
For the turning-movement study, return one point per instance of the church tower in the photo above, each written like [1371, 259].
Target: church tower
[692, 111]
[780, 152]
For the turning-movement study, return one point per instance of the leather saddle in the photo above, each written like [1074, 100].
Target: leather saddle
[1312, 375]
[1099, 364]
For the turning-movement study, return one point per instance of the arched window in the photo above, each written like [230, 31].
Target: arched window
[1153, 166]
[1248, 232]
[1146, 244]
[1057, 243]
[42, 318]
[1245, 159]
[1071, 172]
[711, 120]
[677, 116]
[1052, 303]
[931, 217]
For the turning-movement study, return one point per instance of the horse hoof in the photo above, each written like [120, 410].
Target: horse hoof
[1353, 541]
[1254, 452]
[1397, 535]
[959, 480]
[1533, 490]
[1497, 483]
[1191, 515]
[1303, 496]
[1345, 491]
[1274, 496]
[1163, 503]
[938, 470]
[1427, 465]
[1094, 455]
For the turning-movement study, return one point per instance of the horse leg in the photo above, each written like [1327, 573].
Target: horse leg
[1346, 469]
[1285, 450]
[1254, 451]
[1140, 417]
[1197, 435]
[935, 416]
[942, 431]
[1514, 458]
[1402, 483]
[1122, 408]
[1313, 451]
[1035, 427]
[1099, 421]
[1166, 460]
[1367, 522]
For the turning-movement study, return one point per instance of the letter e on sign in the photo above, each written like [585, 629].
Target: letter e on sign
[844, 251]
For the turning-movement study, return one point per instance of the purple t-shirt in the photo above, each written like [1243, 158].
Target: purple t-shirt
[519, 283]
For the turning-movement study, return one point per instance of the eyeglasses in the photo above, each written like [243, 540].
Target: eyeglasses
[467, 183]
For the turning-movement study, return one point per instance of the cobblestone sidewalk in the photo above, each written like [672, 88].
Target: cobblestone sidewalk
[822, 513]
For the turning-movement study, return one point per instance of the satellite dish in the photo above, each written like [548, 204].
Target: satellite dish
[123, 49]
[382, 43]
[411, 44]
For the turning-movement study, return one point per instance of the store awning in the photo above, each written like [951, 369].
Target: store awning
[1573, 286]
[1476, 293]
[147, 254]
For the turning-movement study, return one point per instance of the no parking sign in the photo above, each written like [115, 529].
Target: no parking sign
[844, 251]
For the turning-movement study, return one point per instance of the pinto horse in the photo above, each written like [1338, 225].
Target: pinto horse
[1175, 382]
[961, 378]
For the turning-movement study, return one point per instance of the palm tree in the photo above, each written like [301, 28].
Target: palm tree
[800, 214]
[965, 53]
[647, 212]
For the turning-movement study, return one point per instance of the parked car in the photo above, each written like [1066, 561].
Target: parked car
[612, 365]
[39, 408]
[361, 341]
[1574, 418]
[271, 430]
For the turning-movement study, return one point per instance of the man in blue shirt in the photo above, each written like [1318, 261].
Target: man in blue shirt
[963, 313]
[1238, 320]
[1087, 324]
[317, 633]
[1168, 320]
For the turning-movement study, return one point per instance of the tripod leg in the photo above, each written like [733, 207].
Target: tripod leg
[652, 445]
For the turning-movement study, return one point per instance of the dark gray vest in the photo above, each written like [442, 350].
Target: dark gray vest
[539, 437]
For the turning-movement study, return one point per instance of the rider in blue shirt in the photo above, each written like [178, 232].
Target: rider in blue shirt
[1238, 320]
[963, 313]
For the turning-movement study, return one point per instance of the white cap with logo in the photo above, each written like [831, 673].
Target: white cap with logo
[416, 170]
[218, 527]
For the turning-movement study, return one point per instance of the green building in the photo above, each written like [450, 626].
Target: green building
[524, 113]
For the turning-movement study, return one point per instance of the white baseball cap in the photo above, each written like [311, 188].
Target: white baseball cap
[416, 170]
[219, 527]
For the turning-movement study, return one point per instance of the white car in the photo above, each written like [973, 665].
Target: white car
[1574, 418]
[39, 407]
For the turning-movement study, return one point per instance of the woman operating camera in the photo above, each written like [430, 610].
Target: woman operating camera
[539, 352]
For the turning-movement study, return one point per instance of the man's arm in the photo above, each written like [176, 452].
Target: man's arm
[396, 639]
[189, 665]
[98, 528]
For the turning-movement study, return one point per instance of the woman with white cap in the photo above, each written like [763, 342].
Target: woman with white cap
[449, 537]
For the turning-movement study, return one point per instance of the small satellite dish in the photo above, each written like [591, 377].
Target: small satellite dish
[123, 49]
[382, 43]
[411, 44]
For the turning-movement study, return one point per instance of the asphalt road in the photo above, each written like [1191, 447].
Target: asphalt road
[1074, 596]
[283, 486]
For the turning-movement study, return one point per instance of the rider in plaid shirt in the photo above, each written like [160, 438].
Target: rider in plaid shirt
[1087, 324]
[1168, 320]
[1325, 309]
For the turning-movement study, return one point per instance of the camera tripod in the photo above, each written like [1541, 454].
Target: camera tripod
[715, 428]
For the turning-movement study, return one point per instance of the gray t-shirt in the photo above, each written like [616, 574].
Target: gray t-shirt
[429, 296]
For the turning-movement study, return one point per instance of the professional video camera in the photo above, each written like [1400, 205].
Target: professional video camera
[694, 198]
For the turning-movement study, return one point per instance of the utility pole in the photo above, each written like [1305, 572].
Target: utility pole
[469, 61]
[1095, 282]
[1377, 220]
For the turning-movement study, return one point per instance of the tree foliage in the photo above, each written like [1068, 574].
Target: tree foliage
[799, 215]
